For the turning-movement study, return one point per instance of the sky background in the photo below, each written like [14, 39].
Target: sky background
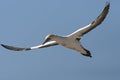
[25, 23]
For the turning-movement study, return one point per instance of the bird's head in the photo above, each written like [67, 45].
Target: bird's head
[48, 38]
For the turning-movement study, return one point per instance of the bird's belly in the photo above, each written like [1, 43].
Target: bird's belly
[71, 45]
[74, 46]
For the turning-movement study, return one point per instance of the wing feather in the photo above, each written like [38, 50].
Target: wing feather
[48, 44]
[80, 32]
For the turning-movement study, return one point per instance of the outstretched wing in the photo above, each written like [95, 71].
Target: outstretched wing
[80, 32]
[51, 43]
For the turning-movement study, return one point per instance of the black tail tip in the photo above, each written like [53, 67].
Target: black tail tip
[90, 56]
[87, 55]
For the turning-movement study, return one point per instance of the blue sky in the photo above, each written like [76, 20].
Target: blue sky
[25, 23]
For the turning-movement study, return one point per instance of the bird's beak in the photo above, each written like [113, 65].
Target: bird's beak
[46, 40]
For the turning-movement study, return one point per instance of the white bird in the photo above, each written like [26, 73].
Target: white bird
[70, 41]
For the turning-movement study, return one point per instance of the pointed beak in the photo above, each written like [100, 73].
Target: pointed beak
[46, 40]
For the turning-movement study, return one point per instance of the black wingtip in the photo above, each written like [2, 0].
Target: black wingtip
[3, 45]
[14, 48]
[9, 47]
[107, 4]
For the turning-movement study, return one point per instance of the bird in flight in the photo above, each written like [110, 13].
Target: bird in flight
[71, 41]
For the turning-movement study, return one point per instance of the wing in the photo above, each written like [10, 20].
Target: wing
[51, 43]
[80, 32]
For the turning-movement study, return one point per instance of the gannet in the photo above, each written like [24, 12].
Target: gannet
[70, 41]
